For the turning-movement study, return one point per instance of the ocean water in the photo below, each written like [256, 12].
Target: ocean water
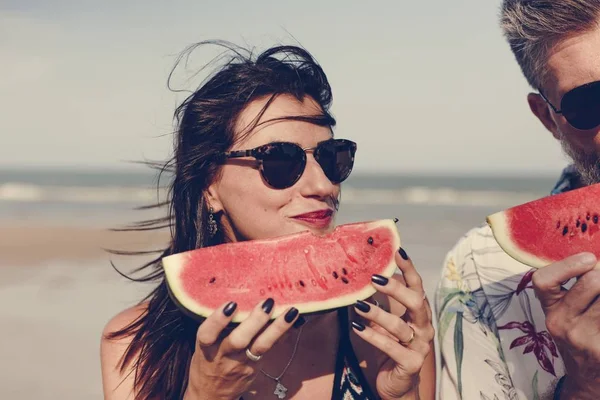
[83, 196]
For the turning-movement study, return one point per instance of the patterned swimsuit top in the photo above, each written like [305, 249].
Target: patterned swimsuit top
[351, 383]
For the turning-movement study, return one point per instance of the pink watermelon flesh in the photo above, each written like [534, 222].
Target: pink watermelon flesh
[550, 229]
[312, 273]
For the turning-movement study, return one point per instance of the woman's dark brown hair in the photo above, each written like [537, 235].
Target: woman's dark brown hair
[162, 339]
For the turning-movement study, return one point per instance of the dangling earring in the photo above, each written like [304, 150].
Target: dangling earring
[212, 224]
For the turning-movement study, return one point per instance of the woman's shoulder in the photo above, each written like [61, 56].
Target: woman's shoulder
[117, 381]
[123, 319]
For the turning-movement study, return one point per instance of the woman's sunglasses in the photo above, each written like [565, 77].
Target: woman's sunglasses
[282, 163]
[580, 106]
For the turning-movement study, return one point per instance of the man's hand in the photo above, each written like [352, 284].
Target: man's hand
[573, 320]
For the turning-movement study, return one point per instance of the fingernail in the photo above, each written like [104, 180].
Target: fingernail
[587, 258]
[358, 326]
[362, 306]
[403, 253]
[290, 315]
[299, 322]
[229, 308]
[380, 280]
[268, 305]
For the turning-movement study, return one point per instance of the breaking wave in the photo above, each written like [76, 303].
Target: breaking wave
[420, 195]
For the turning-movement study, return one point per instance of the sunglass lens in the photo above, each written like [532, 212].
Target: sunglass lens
[282, 164]
[581, 106]
[336, 157]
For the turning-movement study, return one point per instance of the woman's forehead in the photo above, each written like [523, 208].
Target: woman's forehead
[255, 127]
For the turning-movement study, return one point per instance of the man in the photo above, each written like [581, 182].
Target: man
[507, 331]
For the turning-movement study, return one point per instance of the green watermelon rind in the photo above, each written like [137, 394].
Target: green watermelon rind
[501, 229]
[173, 264]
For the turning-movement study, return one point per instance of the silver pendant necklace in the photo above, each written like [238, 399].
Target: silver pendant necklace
[280, 389]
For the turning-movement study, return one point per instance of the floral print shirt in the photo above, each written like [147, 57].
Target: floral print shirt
[491, 329]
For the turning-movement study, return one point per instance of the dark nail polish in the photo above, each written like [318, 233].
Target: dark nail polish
[403, 253]
[229, 308]
[268, 305]
[362, 306]
[299, 322]
[290, 315]
[380, 280]
[358, 326]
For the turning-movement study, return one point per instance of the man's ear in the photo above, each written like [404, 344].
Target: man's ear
[542, 111]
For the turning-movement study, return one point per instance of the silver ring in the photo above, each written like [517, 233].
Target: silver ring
[251, 356]
[412, 337]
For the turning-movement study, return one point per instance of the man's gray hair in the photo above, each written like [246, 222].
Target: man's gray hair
[533, 27]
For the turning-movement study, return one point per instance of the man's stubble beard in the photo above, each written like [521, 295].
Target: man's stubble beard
[587, 164]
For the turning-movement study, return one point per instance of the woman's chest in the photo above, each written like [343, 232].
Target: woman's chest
[310, 376]
[315, 388]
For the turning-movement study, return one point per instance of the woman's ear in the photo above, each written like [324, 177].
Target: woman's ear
[212, 198]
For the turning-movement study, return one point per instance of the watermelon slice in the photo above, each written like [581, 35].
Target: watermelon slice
[550, 229]
[310, 272]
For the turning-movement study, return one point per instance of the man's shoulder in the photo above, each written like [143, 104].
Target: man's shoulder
[478, 249]
[479, 239]
[475, 235]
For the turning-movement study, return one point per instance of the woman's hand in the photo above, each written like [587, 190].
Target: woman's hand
[405, 340]
[221, 368]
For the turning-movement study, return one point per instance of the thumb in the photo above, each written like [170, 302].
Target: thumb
[547, 281]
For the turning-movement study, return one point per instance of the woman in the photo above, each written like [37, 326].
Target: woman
[222, 192]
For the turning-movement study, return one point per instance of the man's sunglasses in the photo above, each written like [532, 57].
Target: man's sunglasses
[580, 106]
[282, 163]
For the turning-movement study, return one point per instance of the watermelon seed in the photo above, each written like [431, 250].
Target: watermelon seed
[584, 227]
[587, 216]
[213, 279]
[558, 225]
[344, 271]
[301, 283]
[595, 219]
[344, 279]
[565, 230]
[313, 282]
[335, 274]
[370, 240]
[578, 223]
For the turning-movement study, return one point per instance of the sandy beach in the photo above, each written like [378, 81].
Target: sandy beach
[58, 290]
[23, 244]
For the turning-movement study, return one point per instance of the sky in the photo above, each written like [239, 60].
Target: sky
[422, 86]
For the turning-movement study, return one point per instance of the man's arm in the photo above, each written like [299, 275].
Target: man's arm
[471, 365]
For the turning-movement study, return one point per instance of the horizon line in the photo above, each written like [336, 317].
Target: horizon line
[516, 173]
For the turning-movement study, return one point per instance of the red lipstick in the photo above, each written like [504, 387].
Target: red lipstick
[317, 219]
